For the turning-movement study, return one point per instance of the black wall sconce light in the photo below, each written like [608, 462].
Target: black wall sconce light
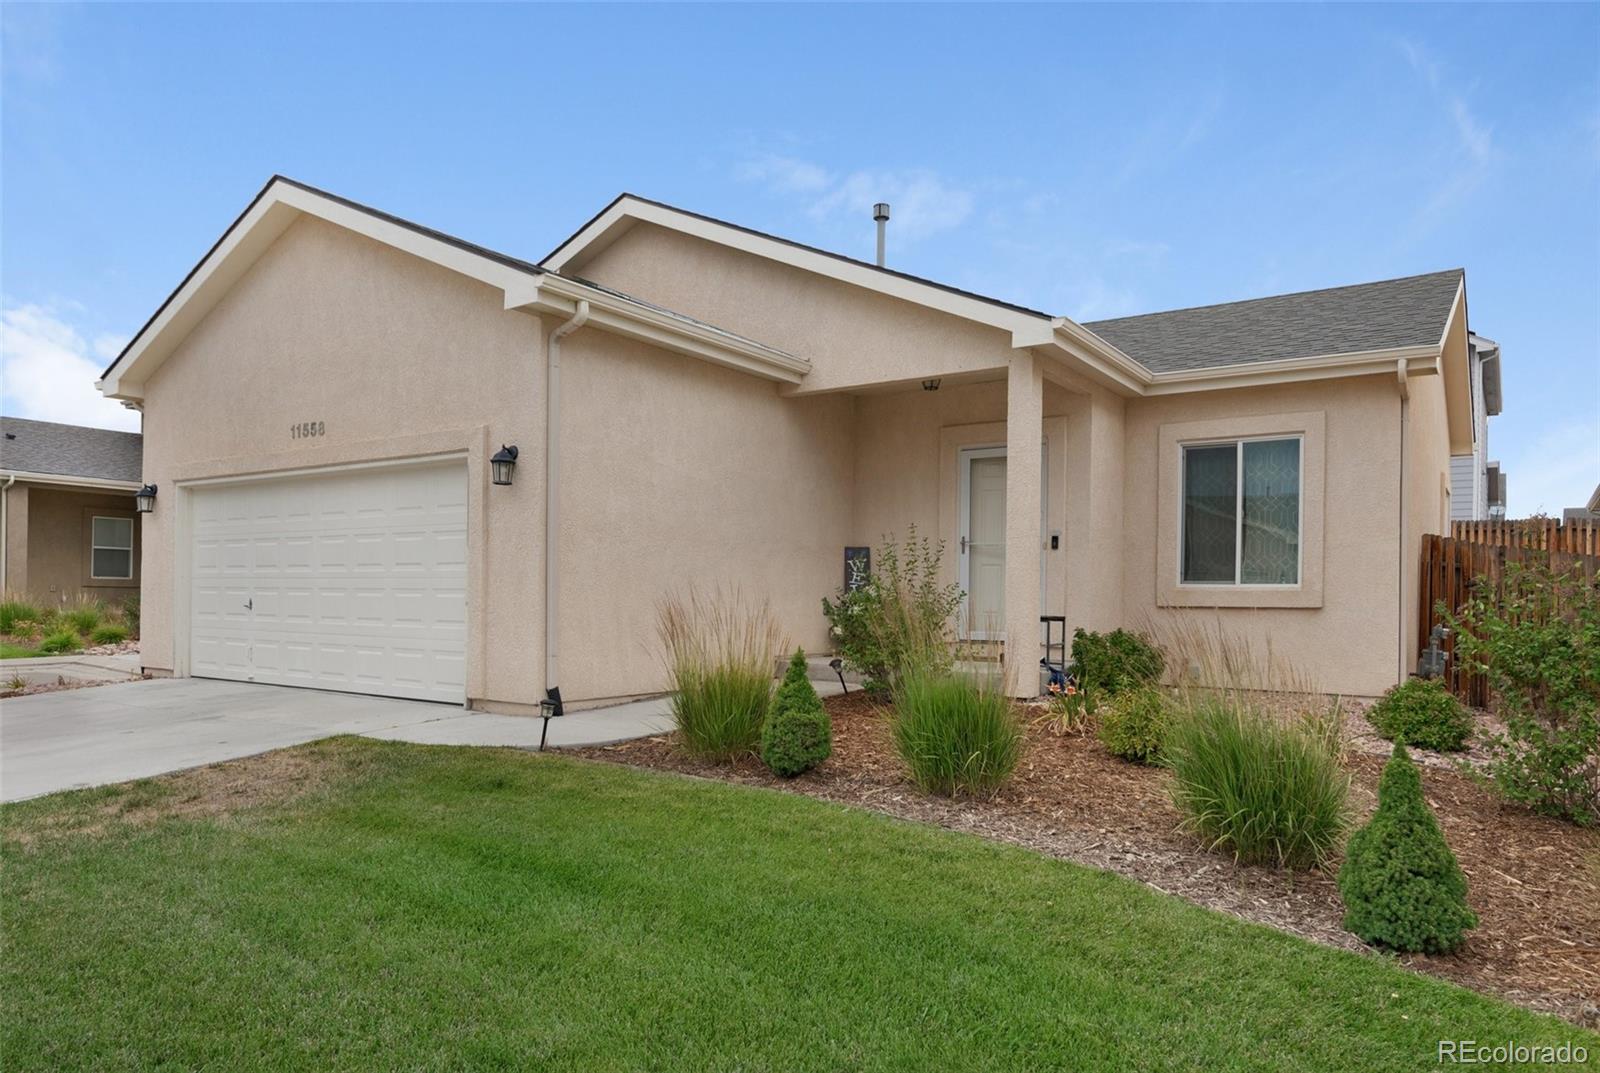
[931, 385]
[501, 465]
[144, 500]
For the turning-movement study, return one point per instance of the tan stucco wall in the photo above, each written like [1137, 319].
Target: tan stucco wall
[1349, 642]
[676, 472]
[398, 358]
[1427, 478]
[851, 336]
[47, 555]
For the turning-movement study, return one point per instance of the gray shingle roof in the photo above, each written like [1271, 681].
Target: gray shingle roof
[1340, 320]
[70, 450]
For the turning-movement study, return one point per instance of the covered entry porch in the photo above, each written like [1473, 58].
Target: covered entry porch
[1017, 471]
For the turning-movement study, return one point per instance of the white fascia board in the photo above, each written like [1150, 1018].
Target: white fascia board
[611, 224]
[1420, 361]
[100, 484]
[614, 313]
[277, 207]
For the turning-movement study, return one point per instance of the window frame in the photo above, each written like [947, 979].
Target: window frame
[1238, 442]
[94, 547]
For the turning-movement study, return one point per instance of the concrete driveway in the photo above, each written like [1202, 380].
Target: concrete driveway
[133, 730]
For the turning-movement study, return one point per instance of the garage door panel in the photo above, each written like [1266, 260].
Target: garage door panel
[352, 581]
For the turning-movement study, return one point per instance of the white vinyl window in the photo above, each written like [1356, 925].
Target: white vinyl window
[111, 549]
[1241, 513]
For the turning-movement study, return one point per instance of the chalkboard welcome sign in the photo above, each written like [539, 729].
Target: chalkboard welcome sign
[857, 565]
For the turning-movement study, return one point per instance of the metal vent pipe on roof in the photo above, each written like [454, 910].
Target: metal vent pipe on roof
[880, 213]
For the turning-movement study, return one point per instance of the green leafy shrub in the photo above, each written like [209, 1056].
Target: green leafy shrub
[1267, 791]
[899, 617]
[797, 735]
[108, 633]
[1401, 885]
[1422, 712]
[955, 734]
[16, 612]
[1133, 724]
[61, 641]
[82, 618]
[719, 650]
[1538, 640]
[1112, 662]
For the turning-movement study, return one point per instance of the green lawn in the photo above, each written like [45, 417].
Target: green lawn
[17, 652]
[435, 908]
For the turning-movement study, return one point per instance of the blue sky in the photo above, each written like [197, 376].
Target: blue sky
[1092, 161]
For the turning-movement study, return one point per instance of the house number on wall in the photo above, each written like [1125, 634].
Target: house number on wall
[305, 430]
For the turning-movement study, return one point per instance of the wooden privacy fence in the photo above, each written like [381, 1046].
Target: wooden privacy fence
[1450, 565]
[1545, 534]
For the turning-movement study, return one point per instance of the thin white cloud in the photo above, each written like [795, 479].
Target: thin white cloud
[48, 370]
[1558, 468]
[922, 202]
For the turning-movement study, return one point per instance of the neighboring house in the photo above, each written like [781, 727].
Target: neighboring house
[1587, 512]
[1477, 484]
[696, 403]
[67, 526]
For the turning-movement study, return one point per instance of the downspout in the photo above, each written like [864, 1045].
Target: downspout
[1400, 556]
[5, 528]
[552, 500]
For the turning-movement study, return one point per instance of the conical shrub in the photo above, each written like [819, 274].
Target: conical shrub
[797, 735]
[1401, 885]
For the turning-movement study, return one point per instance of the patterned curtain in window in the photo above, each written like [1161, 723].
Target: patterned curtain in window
[1210, 486]
[1271, 554]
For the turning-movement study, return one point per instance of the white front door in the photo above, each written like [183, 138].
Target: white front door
[982, 550]
[353, 581]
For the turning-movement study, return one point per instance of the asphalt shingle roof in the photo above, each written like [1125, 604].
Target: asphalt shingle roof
[70, 450]
[1339, 320]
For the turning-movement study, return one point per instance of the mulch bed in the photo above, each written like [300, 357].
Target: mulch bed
[1535, 882]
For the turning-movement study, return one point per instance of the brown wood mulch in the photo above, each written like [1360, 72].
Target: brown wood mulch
[1535, 882]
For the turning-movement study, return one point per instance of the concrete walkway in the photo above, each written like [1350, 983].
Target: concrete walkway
[132, 730]
[79, 667]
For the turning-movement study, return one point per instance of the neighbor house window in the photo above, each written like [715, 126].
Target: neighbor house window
[1241, 513]
[111, 548]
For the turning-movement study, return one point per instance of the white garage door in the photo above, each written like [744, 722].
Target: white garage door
[353, 581]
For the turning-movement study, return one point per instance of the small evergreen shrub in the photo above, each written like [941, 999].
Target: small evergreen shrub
[797, 736]
[1267, 791]
[1421, 712]
[61, 641]
[1537, 637]
[108, 633]
[1401, 885]
[956, 735]
[14, 613]
[1108, 663]
[1133, 724]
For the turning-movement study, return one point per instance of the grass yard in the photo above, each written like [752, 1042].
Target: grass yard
[8, 651]
[361, 905]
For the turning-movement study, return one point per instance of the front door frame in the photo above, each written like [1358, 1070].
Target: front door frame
[964, 456]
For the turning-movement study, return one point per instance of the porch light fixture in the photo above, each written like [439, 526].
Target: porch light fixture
[931, 385]
[501, 465]
[144, 500]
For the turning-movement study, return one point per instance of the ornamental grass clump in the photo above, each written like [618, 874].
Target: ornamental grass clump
[1421, 712]
[1401, 885]
[16, 612]
[82, 617]
[797, 735]
[61, 641]
[957, 735]
[108, 634]
[1266, 791]
[718, 649]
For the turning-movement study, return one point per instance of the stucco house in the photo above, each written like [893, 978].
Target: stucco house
[67, 526]
[691, 401]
